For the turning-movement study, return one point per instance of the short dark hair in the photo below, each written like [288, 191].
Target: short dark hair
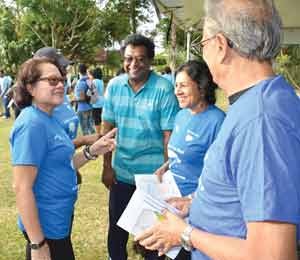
[140, 40]
[29, 73]
[167, 70]
[97, 73]
[199, 72]
[82, 69]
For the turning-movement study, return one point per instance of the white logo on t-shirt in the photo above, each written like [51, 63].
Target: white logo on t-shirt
[189, 138]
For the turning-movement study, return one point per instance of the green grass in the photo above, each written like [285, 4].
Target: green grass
[91, 218]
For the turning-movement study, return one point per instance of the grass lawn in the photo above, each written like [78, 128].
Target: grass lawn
[91, 218]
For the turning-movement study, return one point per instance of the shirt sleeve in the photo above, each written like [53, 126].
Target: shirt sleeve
[28, 145]
[108, 108]
[169, 109]
[266, 169]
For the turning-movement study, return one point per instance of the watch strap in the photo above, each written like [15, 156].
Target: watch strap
[186, 238]
[36, 246]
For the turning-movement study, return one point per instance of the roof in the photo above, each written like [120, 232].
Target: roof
[188, 14]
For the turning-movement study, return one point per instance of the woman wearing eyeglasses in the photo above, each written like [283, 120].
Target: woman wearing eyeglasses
[44, 164]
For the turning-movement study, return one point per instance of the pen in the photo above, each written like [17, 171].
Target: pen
[159, 216]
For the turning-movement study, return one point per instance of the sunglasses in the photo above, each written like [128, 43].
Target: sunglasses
[53, 81]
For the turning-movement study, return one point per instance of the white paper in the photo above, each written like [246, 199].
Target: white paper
[147, 201]
[150, 184]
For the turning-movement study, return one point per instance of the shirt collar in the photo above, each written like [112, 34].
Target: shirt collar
[237, 95]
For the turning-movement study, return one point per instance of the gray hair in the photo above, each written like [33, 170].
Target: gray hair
[252, 27]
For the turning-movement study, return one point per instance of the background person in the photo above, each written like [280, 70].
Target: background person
[143, 107]
[84, 108]
[247, 202]
[167, 73]
[44, 163]
[5, 84]
[96, 77]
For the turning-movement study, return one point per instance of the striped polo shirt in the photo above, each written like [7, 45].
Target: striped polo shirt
[140, 118]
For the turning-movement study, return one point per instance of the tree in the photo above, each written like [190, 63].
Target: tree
[69, 25]
[122, 17]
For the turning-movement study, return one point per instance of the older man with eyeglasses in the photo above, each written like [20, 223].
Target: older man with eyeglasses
[247, 202]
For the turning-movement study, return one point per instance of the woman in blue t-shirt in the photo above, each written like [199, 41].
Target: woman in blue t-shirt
[44, 163]
[196, 127]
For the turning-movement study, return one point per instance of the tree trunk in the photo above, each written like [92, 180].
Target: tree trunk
[133, 15]
[173, 46]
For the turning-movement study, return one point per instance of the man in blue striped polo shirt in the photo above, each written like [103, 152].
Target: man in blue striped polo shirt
[142, 105]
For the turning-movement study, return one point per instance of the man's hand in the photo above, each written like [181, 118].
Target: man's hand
[164, 235]
[108, 177]
[182, 204]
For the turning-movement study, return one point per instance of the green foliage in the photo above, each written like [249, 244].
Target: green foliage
[288, 64]
[70, 25]
[114, 60]
[77, 27]
[164, 27]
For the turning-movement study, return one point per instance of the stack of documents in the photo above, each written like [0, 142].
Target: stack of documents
[147, 202]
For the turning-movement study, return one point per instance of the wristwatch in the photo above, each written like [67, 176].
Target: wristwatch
[36, 246]
[185, 238]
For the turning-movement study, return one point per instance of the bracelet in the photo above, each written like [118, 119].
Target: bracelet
[35, 246]
[87, 154]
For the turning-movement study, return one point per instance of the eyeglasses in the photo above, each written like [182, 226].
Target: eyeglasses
[202, 43]
[139, 60]
[53, 81]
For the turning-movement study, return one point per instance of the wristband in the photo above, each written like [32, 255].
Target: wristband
[87, 154]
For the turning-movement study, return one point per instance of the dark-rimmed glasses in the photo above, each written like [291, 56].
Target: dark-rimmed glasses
[53, 81]
[202, 43]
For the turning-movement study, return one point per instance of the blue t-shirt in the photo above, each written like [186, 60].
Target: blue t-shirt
[141, 117]
[100, 89]
[81, 86]
[170, 77]
[67, 117]
[37, 139]
[251, 171]
[190, 139]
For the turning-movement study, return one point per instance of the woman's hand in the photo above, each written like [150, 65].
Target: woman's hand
[106, 143]
[42, 253]
[161, 171]
[164, 235]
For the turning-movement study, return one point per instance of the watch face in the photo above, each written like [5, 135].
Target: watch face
[186, 245]
[186, 239]
[37, 246]
[34, 246]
